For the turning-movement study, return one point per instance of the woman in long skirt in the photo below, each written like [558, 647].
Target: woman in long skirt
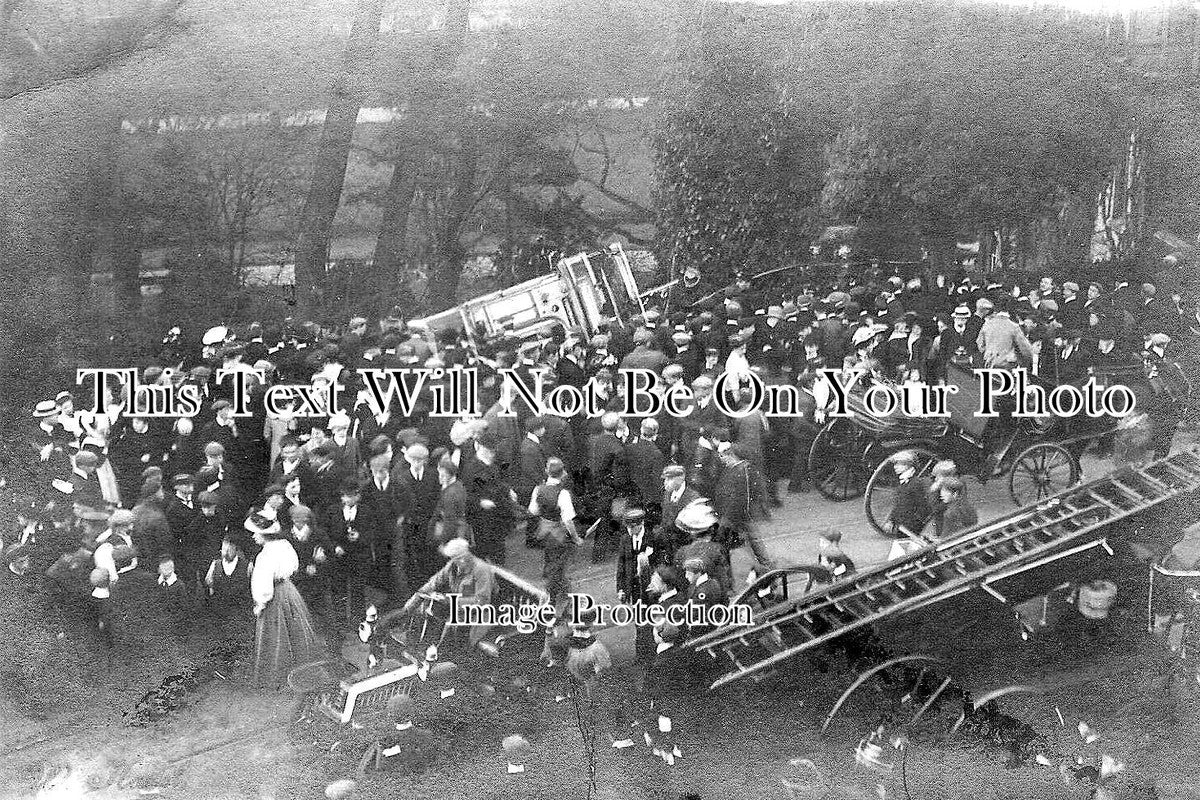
[284, 636]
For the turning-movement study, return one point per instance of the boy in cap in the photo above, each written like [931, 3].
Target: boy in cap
[210, 525]
[911, 510]
[704, 589]
[954, 513]
[173, 596]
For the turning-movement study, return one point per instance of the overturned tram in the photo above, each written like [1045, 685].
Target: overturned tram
[584, 292]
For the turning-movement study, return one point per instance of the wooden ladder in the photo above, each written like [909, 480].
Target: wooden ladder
[1031, 536]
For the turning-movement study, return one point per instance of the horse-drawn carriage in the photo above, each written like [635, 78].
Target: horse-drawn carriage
[418, 653]
[851, 456]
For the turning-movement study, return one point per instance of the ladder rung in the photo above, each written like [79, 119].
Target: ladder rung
[1129, 491]
[1105, 501]
[1155, 484]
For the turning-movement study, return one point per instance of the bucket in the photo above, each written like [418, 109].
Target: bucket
[1096, 599]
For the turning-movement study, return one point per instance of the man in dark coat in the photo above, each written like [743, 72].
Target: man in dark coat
[637, 556]
[645, 468]
[134, 448]
[183, 519]
[608, 474]
[450, 514]
[489, 502]
[412, 471]
[388, 503]
[353, 532]
[675, 497]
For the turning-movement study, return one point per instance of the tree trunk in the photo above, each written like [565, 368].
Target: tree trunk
[329, 169]
[390, 244]
[446, 273]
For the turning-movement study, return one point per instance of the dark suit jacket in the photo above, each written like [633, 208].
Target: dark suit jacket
[530, 469]
[388, 506]
[645, 467]
[731, 499]
[424, 495]
[628, 581]
[359, 551]
[183, 523]
[571, 374]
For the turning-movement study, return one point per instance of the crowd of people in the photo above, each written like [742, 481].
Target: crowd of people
[301, 519]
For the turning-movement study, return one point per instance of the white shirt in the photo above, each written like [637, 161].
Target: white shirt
[678, 493]
[276, 561]
[168, 581]
[566, 507]
[349, 513]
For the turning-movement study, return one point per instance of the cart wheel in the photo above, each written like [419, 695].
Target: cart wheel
[837, 460]
[1040, 471]
[881, 488]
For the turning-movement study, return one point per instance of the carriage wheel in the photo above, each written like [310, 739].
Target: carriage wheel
[881, 488]
[1040, 471]
[837, 460]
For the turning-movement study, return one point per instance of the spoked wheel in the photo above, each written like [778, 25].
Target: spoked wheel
[837, 461]
[883, 485]
[1040, 471]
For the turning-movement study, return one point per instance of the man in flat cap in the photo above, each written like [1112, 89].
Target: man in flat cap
[676, 495]
[530, 469]
[388, 502]
[119, 532]
[223, 428]
[463, 574]
[637, 556]
[353, 531]
[413, 472]
[953, 512]
[183, 519]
